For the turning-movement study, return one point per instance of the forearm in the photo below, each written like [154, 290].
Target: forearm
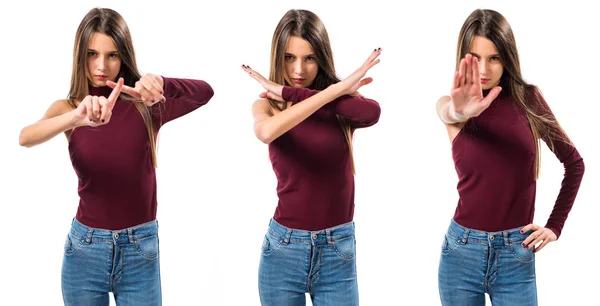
[46, 129]
[271, 128]
[183, 96]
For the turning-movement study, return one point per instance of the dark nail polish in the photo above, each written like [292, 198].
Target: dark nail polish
[102, 120]
[153, 101]
[374, 50]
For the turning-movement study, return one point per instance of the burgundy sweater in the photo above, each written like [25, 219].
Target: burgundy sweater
[315, 183]
[494, 156]
[117, 181]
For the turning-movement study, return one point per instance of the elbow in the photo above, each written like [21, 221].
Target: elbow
[264, 135]
[24, 140]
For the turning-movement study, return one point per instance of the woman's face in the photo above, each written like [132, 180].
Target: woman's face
[104, 62]
[300, 63]
[490, 64]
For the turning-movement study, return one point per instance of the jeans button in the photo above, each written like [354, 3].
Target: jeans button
[491, 237]
[116, 235]
[314, 236]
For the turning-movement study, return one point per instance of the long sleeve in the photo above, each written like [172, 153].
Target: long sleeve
[574, 168]
[360, 111]
[182, 97]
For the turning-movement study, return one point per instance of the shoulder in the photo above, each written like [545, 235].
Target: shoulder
[58, 108]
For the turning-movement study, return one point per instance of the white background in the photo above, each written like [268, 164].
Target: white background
[216, 187]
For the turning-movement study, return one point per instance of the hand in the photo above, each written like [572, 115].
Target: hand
[94, 110]
[355, 81]
[273, 90]
[540, 235]
[467, 99]
[149, 89]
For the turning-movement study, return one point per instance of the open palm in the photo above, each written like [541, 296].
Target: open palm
[467, 98]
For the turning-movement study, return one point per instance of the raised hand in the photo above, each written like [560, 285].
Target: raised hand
[355, 81]
[273, 90]
[467, 100]
[149, 89]
[94, 110]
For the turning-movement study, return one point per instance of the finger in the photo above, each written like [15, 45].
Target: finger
[461, 72]
[537, 249]
[152, 86]
[263, 95]
[372, 57]
[88, 109]
[111, 84]
[468, 68]
[148, 91]
[373, 63]
[104, 109]
[492, 95]
[528, 227]
[456, 82]
[130, 91]
[533, 239]
[475, 71]
[365, 81]
[96, 108]
[114, 95]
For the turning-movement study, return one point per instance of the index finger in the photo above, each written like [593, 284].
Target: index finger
[371, 61]
[115, 93]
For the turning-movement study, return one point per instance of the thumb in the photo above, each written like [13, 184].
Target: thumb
[492, 95]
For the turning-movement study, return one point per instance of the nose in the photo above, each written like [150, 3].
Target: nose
[298, 67]
[483, 66]
[101, 64]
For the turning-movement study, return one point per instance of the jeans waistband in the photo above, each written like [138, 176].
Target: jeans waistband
[131, 234]
[500, 238]
[328, 235]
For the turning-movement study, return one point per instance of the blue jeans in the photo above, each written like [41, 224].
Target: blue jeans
[475, 262]
[99, 261]
[321, 263]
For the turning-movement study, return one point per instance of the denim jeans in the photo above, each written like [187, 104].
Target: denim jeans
[321, 263]
[99, 261]
[475, 262]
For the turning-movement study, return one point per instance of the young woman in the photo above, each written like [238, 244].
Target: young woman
[111, 129]
[494, 121]
[307, 117]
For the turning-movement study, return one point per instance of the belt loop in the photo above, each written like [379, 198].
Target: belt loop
[506, 239]
[286, 238]
[465, 237]
[130, 235]
[329, 238]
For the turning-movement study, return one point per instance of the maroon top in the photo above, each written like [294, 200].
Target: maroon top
[117, 181]
[315, 183]
[494, 156]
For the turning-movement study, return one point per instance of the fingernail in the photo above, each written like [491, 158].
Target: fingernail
[521, 231]
[378, 49]
[153, 100]
[102, 120]
[374, 50]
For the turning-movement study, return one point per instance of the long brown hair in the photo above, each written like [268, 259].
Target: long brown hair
[111, 23]
[308, 26]
[493, 26]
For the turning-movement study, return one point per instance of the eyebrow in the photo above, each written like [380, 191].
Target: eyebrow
[114, 51]
[477, 55]
[290, 54]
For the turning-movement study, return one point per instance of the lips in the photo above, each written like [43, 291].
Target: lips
[484, 80]
[297, 81]
[101, 77]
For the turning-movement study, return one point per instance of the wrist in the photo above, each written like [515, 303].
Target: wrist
[454, 116]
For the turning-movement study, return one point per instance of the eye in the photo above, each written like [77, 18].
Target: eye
[92, 53]
[495, 58]
[310, 58]
[113, 55]
[289, 57]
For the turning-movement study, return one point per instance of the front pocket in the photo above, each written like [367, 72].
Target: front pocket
[73, 243]
[450, 243]
[147, 247]
[521, 253]
[270, 244]
[345, 248]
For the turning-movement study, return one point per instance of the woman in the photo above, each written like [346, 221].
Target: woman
[111, 120]
[307, 117]
[494, 121]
